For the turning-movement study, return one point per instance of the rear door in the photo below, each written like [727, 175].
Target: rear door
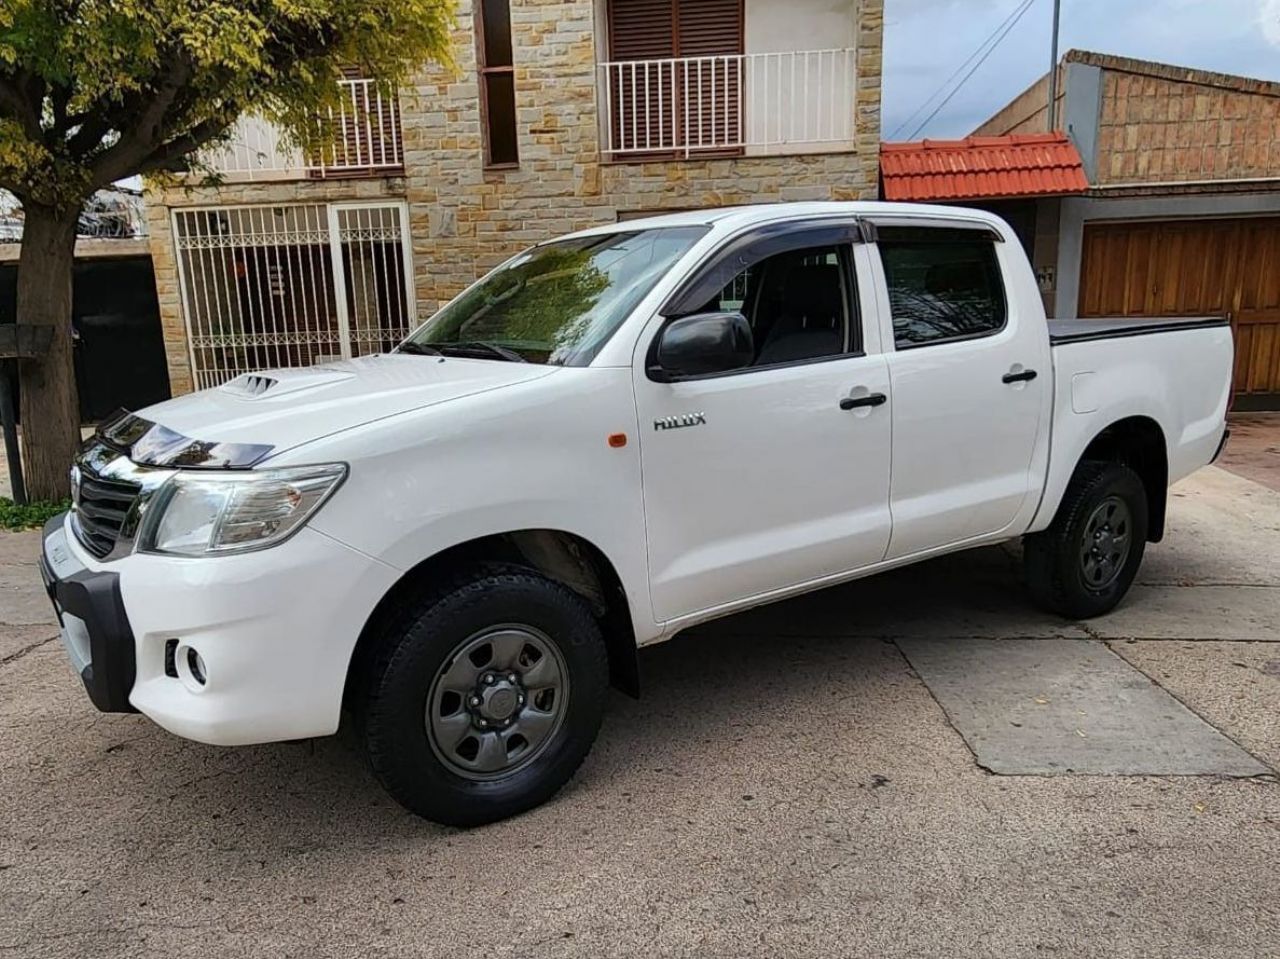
[971, 379]
[768, 477]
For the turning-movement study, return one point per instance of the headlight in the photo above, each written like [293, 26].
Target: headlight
[198, 514]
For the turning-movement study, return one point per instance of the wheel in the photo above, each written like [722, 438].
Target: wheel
[1085, 562]
[485, 697]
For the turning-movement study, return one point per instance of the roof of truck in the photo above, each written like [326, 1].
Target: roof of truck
[739, 216]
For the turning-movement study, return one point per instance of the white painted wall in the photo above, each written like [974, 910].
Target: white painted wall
[772, 26]
[792, 98]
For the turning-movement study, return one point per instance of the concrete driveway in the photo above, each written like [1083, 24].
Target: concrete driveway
[789, 785]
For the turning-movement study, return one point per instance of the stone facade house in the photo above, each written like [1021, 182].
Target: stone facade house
[1181, 214]
[560, 114]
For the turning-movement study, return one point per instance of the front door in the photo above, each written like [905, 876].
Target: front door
[758, 480]
[971, 377]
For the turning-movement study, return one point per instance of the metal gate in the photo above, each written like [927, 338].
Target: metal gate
[293, 285]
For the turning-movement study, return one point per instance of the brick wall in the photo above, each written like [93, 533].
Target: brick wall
[465, 219]
[1159, 123]
[1186, 126]
[1028, 112]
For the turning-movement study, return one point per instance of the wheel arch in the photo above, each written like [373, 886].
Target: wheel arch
[1137, 442]
[564, 557]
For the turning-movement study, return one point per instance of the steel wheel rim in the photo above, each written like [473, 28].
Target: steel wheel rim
[497, 701]
[1105, 545]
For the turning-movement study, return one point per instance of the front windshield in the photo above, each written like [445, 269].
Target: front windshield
[557, 303]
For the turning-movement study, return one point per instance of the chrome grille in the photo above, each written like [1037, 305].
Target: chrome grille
[100, 508]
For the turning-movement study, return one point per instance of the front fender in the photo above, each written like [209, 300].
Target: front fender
[532, 456]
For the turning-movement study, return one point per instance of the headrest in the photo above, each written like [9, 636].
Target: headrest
[955, 278]
[813, 292]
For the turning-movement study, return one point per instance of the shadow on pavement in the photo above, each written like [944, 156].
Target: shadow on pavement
[716, 699]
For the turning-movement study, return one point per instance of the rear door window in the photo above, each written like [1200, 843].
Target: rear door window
[944, 284]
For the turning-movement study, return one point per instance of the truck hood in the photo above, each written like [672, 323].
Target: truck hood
[284, 408]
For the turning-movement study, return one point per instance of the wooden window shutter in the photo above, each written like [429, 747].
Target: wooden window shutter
[662, 106]
[711, 30]
[643, 96]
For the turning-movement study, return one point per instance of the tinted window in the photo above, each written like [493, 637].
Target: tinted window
[796, 303]
[943, 284]
[557, 303]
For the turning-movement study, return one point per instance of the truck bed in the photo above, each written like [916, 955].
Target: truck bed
[1110, 328]
[1177, 377]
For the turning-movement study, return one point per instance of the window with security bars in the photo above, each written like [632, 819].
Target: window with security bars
[296, 285]
[675, 76]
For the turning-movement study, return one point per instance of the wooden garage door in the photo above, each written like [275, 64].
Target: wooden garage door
[1191, 268]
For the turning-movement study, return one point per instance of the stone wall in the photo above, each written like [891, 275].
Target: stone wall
[465, 219]
[1167, 125]
[1162, 124]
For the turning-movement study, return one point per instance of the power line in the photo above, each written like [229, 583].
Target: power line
[965, 79]
[945, 83]
[984, 50]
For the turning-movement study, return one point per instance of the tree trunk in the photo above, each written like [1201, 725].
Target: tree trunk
[50, 407]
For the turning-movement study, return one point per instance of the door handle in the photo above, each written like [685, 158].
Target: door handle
[871, 399]
[1025, 376]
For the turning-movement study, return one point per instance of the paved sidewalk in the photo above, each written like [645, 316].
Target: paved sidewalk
[1254, 448]
[787, 786]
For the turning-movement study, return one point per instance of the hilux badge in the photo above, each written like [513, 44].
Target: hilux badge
[680, 422]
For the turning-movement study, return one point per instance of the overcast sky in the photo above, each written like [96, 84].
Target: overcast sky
[926, 40]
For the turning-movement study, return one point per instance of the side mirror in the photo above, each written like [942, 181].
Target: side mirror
[701, 344]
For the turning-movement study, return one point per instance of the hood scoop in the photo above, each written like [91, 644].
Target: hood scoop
[252, 386]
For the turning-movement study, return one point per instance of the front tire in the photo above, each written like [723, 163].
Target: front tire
[1085, 562]
[485, 697]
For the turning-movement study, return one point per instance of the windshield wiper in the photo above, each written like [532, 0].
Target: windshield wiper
[480, 346]
[418, 349]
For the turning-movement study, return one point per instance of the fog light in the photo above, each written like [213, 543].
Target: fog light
[196, 665]
[191, 668]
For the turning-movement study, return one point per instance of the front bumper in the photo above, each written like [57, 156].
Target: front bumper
[274, 631]
[95, 629]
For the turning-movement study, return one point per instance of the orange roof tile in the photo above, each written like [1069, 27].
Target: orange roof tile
[1020, 164]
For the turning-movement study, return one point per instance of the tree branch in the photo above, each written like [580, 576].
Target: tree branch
[14, 105]
[93, 127]
[143, 134]
[167, 156]
[15, 187]
[59, 98]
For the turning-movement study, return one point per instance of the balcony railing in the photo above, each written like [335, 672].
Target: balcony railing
[753, 103]
[363, 138]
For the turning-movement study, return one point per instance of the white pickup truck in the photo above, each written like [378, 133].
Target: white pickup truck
[611, 437]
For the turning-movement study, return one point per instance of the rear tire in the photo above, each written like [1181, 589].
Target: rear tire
[485, 697]
[1085, 562]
